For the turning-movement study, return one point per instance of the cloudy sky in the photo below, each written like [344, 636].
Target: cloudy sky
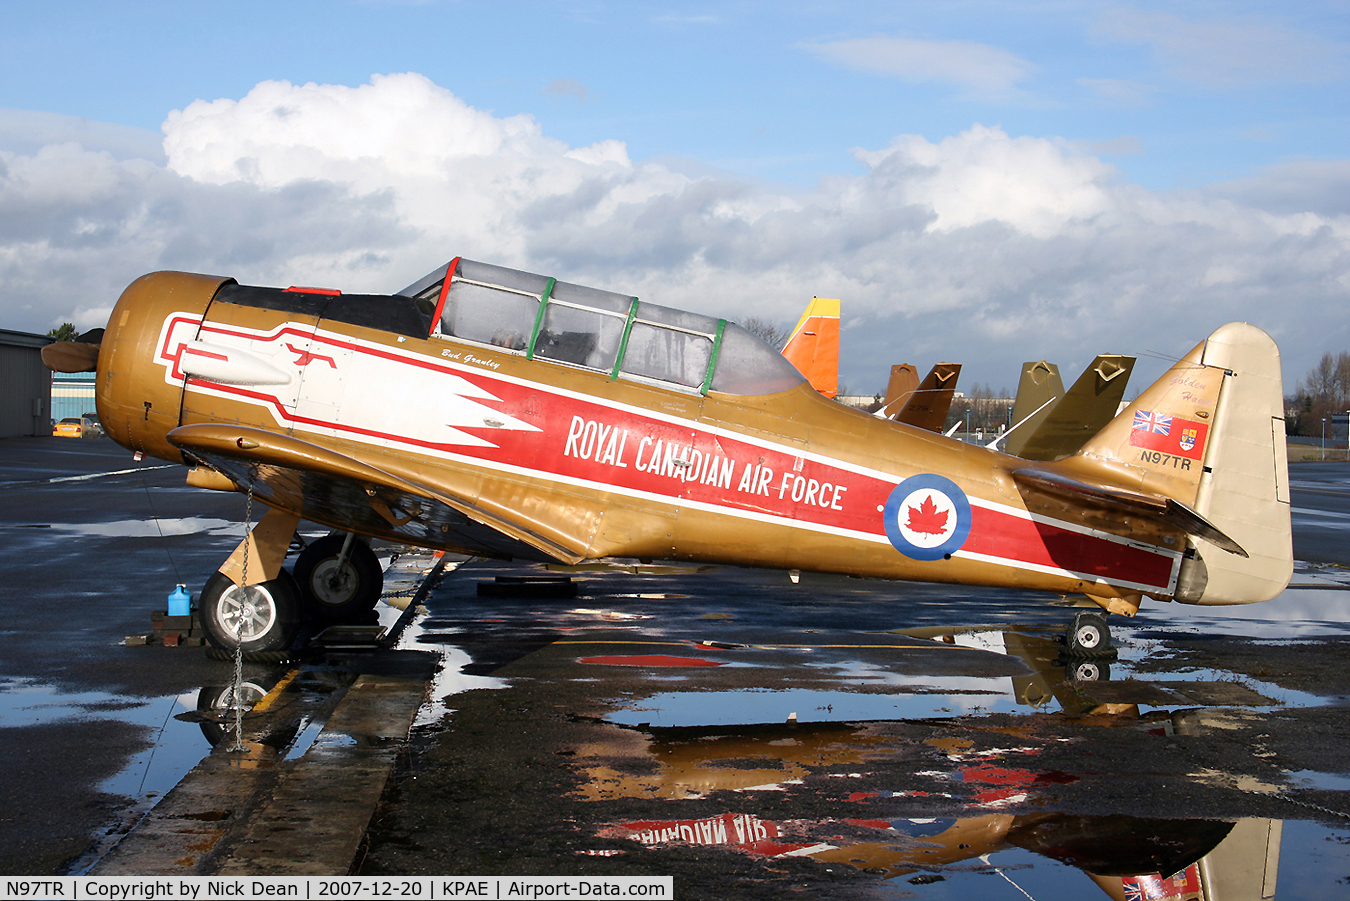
[981, 182]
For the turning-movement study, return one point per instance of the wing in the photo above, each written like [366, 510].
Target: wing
[325, 486]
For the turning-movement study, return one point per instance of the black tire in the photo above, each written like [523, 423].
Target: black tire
[339, 595]
[266, 616]
[1089, 636]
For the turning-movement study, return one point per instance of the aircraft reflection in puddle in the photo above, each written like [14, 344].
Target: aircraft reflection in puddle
[1128, 857]
[169, 753]
[1050, 674]
[1051, 683]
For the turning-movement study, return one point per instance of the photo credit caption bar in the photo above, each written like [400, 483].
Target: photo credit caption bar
[430, 888]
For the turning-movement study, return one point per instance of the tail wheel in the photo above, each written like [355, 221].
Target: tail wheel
[262, 617]
[338, 587]
[1089, 636]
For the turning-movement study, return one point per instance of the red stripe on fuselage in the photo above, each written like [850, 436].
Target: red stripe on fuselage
[997, 534]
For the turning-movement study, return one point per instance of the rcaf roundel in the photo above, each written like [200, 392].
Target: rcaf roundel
[927, 517]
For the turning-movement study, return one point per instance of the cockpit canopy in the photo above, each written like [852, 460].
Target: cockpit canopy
[543, 318]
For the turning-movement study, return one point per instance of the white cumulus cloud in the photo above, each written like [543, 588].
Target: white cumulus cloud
[980, 247]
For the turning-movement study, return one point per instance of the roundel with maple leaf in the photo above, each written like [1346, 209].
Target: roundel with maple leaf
[927, 517]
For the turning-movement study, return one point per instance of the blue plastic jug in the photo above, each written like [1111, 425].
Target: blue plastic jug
[180, 602]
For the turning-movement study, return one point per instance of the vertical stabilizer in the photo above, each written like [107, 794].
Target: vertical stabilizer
[813, 346]
[904, 382]
[1245, 486]
[1037, 391]
[1210, 434]
[928, 406]
[1092, 402]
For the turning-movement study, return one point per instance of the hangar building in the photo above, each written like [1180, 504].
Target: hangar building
[25, 385]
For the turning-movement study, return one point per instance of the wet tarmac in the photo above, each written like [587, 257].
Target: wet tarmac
[862, 739]
[744, 733]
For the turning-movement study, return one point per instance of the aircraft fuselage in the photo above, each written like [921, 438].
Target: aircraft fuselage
[599, 466]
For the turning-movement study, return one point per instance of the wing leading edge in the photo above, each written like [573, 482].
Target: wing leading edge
[325, 486]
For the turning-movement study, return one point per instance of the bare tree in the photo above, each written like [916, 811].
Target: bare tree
[1323, 392]
[774, 335]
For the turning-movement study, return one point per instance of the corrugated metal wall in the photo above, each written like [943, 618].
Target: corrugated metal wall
[25, 386]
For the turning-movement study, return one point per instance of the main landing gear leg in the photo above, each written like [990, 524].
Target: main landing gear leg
[264, 614]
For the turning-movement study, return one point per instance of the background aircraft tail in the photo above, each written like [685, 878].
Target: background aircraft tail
[1082, 411]
[1037, 391]
[904, 381]
[1210, 434]
[813, 346]
[928, 405]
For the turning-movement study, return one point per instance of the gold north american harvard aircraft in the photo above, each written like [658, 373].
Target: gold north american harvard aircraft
[490, 411]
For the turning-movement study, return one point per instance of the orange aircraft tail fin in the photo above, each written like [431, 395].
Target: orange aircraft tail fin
[814, 345]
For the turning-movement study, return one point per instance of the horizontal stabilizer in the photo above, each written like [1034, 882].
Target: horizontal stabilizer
[1162, 510]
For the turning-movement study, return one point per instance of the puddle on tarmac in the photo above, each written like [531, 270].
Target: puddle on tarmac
[175, 746]
[1298, 612]
[152, 528]
[756, 706]
[1042, 855]
[991, 854]
[870, 691]
[1323, 781]
[449, 680]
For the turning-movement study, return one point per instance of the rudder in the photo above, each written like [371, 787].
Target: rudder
[1245, 485]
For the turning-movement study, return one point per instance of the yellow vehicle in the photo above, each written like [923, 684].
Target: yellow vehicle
[70, 427]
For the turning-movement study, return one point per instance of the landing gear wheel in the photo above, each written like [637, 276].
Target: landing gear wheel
[1089, 636]
[337, 590]
[262, 617]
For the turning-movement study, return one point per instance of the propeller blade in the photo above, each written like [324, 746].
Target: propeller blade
[71, 356]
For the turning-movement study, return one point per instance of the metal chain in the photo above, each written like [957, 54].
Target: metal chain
[1281, 796]
[237, 690]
